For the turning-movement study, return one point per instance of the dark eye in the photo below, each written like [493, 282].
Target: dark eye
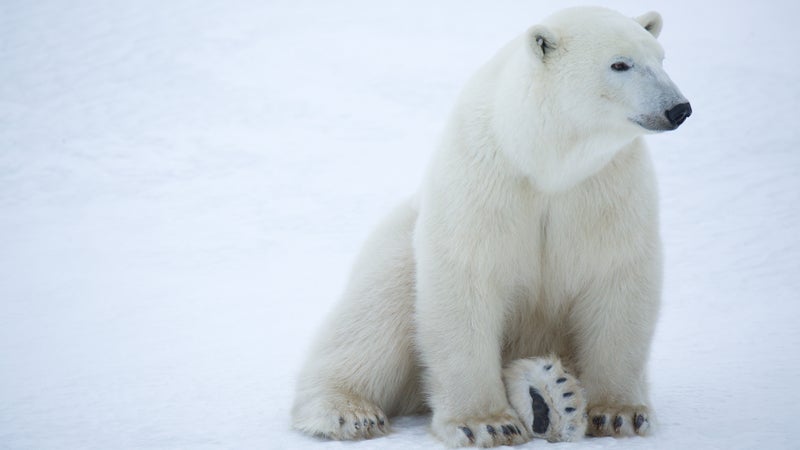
[620, 66]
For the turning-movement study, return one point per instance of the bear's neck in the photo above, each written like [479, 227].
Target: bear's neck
[554, 156]
[498, 114]
[558, 160]
[554, 151]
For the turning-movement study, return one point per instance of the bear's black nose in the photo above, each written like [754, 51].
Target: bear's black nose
[679, 113]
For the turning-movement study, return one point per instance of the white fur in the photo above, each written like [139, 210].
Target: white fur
[534, 232]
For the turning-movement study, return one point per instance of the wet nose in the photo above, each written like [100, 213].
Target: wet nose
[678, 113]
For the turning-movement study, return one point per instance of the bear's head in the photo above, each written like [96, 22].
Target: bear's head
[608, 69]
[578, 88]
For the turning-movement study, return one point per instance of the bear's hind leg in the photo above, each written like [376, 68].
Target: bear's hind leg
[363, 367]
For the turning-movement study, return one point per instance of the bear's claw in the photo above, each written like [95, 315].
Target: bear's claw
[618, 421]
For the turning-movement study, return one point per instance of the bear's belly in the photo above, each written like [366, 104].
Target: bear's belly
[538, 325]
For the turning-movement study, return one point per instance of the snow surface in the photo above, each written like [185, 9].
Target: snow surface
[183, 186]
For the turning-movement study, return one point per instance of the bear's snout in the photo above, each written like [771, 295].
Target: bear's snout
[678, 113]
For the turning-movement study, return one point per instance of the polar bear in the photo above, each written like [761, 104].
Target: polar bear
[532, 245]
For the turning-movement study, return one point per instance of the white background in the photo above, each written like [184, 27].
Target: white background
[183, 186]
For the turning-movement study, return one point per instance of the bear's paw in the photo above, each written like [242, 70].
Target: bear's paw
[341, 417]
[491, 430]
[550, 401]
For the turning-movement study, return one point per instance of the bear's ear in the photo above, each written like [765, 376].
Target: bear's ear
[651, 22]
[541, 40]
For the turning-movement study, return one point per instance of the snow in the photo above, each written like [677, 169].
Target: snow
[184, 185]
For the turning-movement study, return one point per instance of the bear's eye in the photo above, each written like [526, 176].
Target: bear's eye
[620, 66]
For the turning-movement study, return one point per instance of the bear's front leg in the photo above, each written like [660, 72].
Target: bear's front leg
[459, 321]
[613, 330]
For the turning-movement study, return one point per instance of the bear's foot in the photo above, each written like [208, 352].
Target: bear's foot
[341, 417]
[550, 402]
[487, 431]
[618, 421]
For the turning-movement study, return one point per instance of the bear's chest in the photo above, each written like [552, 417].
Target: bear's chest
[572, 238]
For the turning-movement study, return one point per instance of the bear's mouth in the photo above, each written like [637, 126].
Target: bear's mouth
[653, 123]
[670, 120]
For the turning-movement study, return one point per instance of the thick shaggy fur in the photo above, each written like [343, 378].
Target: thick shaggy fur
[534, 233]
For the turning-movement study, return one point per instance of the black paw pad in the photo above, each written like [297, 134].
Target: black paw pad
[617, 423]
[638, 421]
[561, 380]
[468, 433]
[569, 409]
[381, 422]
[491, 430]
[341, 421]
[599, 422]
[541, 412]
